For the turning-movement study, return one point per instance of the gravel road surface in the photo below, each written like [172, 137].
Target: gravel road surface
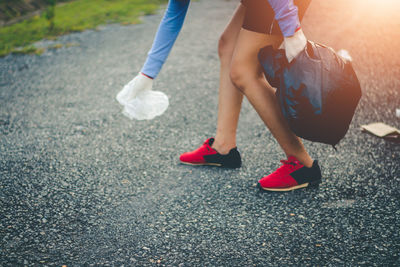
[82, 185]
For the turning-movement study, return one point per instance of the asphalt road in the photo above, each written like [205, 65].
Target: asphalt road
[83, 185]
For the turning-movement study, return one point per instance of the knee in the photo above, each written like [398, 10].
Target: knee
[225, 47]
[238, 77]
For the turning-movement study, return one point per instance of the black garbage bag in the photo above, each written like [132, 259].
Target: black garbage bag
[318, 91]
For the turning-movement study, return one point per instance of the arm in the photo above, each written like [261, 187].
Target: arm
[139, 101]
[286, 13]
[168, 31]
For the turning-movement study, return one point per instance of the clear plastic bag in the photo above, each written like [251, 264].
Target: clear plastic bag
[140, 101]
[146, 105]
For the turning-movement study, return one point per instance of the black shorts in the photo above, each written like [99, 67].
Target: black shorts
[260, 16]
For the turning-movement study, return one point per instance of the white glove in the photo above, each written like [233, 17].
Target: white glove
[138, 84]
[293, 45]
[139, 101]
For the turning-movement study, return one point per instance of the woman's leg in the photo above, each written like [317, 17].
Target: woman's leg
[229, 99]
[221, 150]
[246, 74]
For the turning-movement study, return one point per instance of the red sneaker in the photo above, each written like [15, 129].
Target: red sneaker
[291, 175]
[206, 155]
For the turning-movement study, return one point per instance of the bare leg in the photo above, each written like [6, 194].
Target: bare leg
[247, 75]
[230, 99]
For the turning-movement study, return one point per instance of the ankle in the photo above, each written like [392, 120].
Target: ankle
[306, 160]
[223, 147]
[308, 163]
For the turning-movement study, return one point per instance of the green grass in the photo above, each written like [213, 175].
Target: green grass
[73, 16]
[28, 50]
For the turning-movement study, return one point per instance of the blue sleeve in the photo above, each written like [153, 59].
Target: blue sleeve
[286, 13]
[167, 32]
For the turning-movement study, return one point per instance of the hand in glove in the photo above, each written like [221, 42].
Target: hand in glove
[139, 101]
[138, 84]
[293, 45]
